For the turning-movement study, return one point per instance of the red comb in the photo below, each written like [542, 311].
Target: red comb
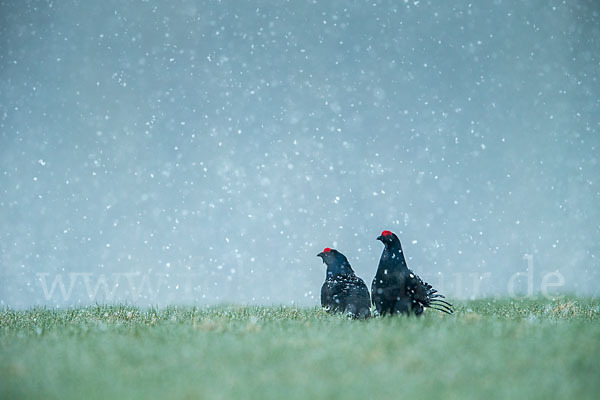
[326, 250]
[386, 233]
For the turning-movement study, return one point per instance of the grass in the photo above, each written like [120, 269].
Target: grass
[491, 350]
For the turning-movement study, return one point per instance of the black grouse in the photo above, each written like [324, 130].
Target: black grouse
[396, 289]
[343, 291]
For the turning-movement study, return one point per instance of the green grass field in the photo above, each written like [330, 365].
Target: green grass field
[491, 350]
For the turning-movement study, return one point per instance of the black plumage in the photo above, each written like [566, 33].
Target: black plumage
[398, 290]
[343, 291]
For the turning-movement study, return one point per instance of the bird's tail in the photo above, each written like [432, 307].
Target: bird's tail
[434, 300]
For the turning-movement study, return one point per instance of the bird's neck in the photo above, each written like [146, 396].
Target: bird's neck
[339, 269]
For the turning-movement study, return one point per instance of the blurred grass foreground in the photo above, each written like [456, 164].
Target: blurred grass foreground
[488, 349]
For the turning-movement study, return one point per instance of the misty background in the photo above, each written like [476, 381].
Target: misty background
[203, 152]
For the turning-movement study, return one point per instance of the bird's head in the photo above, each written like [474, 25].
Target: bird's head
[336, 262]
[388, 238]
[328, 255]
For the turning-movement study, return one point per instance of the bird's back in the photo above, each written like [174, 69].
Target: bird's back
[347, 294]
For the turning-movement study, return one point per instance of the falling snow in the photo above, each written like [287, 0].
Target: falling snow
[161, 153]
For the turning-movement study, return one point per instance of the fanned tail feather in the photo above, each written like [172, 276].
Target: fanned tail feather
[438, 301]
[432, 299]
[443, 310]
[435, 300]
[441, 307]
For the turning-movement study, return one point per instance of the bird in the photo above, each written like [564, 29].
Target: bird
[398, 290]
[342, 290]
